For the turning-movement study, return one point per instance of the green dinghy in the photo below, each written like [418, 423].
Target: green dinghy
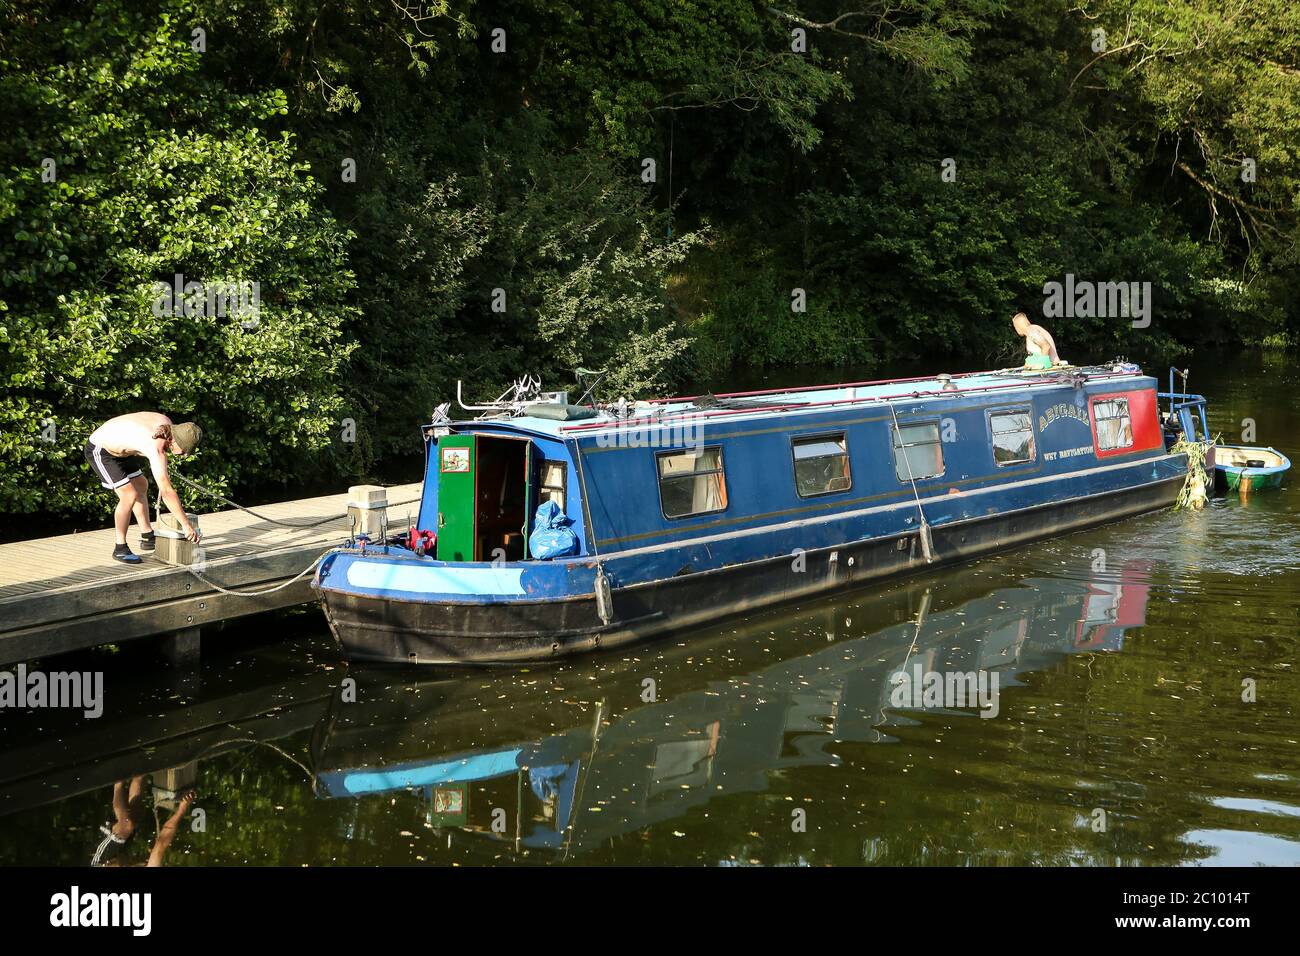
[1257, 468]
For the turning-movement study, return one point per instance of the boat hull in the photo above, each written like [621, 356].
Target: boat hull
[1233, 479]
[395, 630]
[1243, 478]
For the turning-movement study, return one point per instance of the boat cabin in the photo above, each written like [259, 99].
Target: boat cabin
[660, 471]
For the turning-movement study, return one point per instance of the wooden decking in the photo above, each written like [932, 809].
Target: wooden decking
[67, 593]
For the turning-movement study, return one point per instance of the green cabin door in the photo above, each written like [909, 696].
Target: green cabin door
[457, 470]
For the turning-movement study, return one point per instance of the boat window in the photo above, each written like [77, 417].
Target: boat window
[692, 482]
[917, 452]
[1013, 437]
[554, 479]
[1114, 427]
[821, 465]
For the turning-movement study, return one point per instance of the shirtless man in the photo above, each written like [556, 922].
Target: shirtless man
[1038, 341]
[114, 450]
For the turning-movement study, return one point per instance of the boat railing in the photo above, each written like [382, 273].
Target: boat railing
[669, 416]
[1182, 405]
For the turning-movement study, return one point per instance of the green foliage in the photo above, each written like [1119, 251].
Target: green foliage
[1049, 177]
[747, 317]
[795, 145]
[156, 171]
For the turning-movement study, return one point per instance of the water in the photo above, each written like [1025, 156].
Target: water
[1121, 734]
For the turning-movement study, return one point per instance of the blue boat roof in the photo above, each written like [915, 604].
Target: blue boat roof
[768, 403]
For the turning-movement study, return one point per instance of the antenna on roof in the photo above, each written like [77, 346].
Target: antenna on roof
[588, 379]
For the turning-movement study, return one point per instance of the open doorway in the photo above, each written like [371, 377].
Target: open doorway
[484, 489]
[502, 497]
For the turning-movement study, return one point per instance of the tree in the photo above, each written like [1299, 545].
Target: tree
[129, 167]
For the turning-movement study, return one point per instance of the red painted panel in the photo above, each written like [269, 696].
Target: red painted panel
[1144, 418]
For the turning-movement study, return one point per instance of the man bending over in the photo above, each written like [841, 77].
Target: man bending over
[114, 451]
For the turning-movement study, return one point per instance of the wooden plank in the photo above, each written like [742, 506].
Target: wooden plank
[66, 592]
[27, 566]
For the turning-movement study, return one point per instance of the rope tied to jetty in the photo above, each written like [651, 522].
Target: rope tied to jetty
[190, 483]
[279, 587]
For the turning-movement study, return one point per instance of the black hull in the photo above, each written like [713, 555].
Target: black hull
[419, 632]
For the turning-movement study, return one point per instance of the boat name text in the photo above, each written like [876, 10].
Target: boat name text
[1058, 412]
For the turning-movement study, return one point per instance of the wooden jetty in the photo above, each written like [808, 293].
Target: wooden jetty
[66, 593]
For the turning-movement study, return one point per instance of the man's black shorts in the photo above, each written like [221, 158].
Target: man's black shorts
[112, 471]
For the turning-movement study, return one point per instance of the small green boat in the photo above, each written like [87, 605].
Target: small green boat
[1255, 467]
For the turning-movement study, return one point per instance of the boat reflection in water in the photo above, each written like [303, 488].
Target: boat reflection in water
[558, 760]
[65, 781]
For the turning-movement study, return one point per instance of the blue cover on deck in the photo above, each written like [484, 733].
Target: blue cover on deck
[552, 537]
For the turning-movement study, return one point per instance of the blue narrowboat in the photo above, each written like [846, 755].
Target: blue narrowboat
[548, 528]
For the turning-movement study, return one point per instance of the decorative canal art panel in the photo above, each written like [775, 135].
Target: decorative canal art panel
[1072, 419]
[1059, 417]
[1062, 411]
[454, 460]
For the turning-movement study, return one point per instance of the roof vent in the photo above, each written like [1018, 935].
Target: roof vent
[946, 381]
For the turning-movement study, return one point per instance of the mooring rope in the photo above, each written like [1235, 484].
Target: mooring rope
[285, 524]
[926, 547]
[310, 524]
[278, 587]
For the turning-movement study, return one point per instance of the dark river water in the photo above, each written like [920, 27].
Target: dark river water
[1145, 713]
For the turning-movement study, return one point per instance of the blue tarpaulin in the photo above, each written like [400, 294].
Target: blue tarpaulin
[552, 537]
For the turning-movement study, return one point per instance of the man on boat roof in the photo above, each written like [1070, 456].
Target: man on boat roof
[113, 452]
[1038, 341]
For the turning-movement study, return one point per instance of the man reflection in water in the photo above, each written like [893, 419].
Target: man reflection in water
[128, 812]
